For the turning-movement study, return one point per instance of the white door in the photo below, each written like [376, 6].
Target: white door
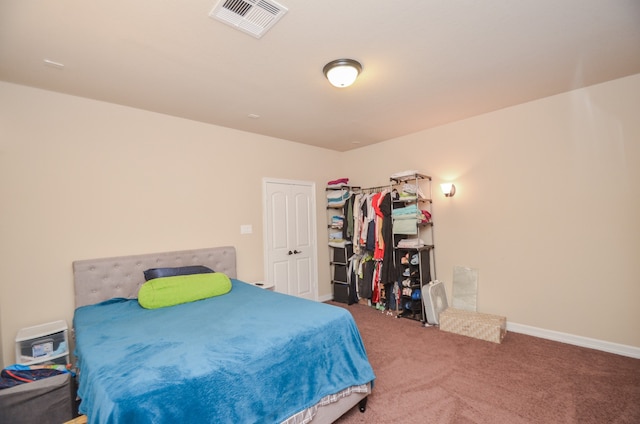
[290, 237]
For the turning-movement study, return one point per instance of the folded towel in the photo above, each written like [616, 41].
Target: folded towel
[407, 210]
[339, 181]
[404, 174]
[405, 226]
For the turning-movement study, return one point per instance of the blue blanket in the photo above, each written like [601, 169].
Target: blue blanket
[249, 356]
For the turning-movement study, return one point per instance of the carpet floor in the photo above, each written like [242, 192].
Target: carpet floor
[424, 375]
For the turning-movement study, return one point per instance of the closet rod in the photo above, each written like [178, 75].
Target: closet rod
[374, 189]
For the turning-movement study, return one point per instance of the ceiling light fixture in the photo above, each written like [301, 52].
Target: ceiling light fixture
[342, 72]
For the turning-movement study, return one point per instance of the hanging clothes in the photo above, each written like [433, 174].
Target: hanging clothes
[357, 222]
[388, 269]
[365, 283]
[367, 234]
[376, 290]
[378, 250]
[349, 217]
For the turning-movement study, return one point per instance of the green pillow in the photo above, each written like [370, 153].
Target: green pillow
[169, 291]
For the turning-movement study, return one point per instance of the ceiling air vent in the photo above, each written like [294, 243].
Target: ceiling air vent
[254, 17]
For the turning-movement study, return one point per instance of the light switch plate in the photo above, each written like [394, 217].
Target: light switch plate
[246, 229]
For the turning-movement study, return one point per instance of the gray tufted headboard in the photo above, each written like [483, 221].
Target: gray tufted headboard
[97, 280]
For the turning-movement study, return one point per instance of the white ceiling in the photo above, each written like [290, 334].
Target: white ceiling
[426, 62]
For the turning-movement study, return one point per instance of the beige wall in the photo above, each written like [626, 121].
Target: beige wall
[83, 179]
[547, 205]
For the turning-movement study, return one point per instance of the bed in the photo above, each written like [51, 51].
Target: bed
[248, 356]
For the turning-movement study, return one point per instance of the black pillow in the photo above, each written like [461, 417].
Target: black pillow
[152, 273]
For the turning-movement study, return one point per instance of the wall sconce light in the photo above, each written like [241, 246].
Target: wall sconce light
[342, 72]
[448, 189]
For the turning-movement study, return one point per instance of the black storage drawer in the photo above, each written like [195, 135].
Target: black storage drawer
[341, 292]
[342, 254]
[340, 273]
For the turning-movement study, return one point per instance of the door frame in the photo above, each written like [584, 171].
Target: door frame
[314, 227]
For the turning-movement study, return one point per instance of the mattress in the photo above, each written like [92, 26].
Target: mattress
[251, 355]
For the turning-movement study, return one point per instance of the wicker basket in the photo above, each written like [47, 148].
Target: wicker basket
[481, 326]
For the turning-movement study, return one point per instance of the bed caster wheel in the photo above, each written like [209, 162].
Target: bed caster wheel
[362, 406]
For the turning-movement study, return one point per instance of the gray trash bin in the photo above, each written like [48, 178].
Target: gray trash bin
[50, 400]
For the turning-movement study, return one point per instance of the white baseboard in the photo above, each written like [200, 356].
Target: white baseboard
[325, 298]
[619, 349]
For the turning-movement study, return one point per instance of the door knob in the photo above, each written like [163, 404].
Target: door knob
[290, 252]
[295, 252]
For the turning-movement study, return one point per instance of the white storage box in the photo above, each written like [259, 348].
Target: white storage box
[44, 343]
[481, 326]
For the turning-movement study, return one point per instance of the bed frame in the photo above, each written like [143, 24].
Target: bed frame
[97, 280]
